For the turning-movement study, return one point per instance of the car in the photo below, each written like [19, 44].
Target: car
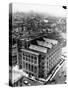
[41, 79]
[53, 81]
[33, 78]
[64, 75]
[65, 82]
[60, 75]
[62, 72]
[26, 83]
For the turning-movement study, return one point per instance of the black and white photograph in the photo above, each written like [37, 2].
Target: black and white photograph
[37, 44]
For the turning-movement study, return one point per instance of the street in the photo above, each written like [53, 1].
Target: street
[60, 77]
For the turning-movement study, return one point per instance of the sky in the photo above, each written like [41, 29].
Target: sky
[54, 10]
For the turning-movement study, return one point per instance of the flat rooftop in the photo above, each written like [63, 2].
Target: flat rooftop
[52, 41]
[38, 48]
[30, 51]
[45, 44]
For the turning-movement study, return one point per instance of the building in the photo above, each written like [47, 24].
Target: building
[39, 56]
[16, 79]
[13, 55]
[16, 76]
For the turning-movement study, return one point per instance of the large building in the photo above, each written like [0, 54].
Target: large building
[39, 56]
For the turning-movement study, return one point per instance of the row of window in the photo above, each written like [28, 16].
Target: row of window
[29, 60]
[30, 67]
[30, 56]
[57, 48]
[53, 61]
[55, 55]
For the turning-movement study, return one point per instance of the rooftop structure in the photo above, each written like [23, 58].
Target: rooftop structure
[38, 48]
[52, 41]
[45, 44]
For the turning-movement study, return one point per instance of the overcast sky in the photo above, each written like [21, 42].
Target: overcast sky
[49, 9]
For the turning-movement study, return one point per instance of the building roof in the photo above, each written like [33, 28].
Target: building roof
[30, 51]
[38, 48]
[45, 44]
[52, 41]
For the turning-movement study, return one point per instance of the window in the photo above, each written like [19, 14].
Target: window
[29, 67]
[20, 61]
[23, 54]
[23, 64]
[32, 75]
[35, 69]
[26, 66]
[19, 56]
[31, 57]
[26, 59]
[31, 61]
[23, 58]
[35, 61]
[35, 58]
[27, 55]
[32, 68]
[20, 66]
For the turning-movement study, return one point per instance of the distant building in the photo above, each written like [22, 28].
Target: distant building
[39, 56]
[13, 62]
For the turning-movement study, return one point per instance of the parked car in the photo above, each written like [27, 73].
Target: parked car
[60, 75]
[26, 83]
[41, 79]
[33, 78]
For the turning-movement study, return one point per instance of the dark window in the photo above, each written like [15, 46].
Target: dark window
[29, 67]
[35, 58]
[26, 66]
[23, 64]
[32, 75]
[23, 58]
[20, 66]
[26, 59]
[23, 54]
[20, 61]
[32, 68]
[35, 61]
[35, 69]
[31, 57]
